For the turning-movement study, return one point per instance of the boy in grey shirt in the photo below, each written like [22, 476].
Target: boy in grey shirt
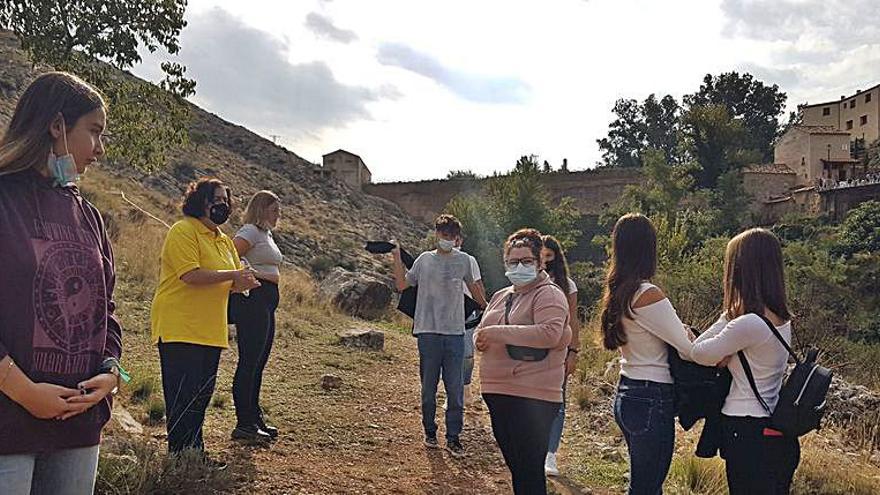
[438, 325]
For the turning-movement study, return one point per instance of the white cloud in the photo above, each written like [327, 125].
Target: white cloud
[323, 27]
[411, 94]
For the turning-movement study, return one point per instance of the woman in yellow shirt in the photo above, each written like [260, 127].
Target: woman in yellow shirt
[199, 267]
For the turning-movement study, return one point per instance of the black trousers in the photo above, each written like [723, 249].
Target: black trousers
[757, 464]
[255, 324]
[189, 374]
[522, 429]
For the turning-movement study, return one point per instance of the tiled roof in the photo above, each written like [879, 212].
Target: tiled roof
[768, 168]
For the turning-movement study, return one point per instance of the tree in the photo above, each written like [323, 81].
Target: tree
[461, 174]
[716, 141]
[860, 231]
[639, 127]
[80, 36]
[872, 156]
[510, 202]
[748, 100]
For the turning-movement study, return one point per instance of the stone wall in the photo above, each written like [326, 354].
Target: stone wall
[592, 190]
[836, 202]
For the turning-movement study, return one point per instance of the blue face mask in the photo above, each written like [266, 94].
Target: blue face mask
[521, 275]
[63, 168]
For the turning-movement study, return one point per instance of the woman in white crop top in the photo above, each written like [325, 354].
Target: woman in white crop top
[759, 460]
[640, 321]
[254, 315]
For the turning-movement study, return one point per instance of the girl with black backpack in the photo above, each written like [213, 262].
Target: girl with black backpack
[759, 459]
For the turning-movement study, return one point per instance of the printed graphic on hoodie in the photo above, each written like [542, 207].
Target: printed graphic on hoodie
[70, 301]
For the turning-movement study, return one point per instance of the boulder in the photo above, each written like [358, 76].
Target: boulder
[848, 402]
[125, 421]
[330, 382]
[363, 338]
[356, 294]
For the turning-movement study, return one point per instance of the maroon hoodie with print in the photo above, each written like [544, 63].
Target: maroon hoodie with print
[56, 306]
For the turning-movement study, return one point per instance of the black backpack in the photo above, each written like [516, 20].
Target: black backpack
[801, 402]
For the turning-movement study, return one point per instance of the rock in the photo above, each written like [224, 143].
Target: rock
[363, 339]
[847, 402]
[330, 382]
[125, 421]
[356, 294]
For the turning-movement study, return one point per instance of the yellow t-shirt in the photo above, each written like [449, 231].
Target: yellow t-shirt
[195, 314]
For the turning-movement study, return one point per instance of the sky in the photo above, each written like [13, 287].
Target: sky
[419, 88]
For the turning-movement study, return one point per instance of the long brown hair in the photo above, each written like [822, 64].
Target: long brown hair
[27, 142]
[754, 277]
[633, 260]
[559, 271]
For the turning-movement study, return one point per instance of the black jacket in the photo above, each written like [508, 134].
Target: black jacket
[700, 392]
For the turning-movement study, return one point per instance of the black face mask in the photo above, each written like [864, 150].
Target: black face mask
[219, 213]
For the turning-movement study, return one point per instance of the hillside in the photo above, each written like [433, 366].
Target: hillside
[322, 216]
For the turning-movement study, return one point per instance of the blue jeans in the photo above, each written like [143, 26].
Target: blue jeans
[558, 423]
[468, 356]
[442, 355]
[63, 472]
[644, 412]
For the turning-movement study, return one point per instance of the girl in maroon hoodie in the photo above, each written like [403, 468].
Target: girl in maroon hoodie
[59, 339]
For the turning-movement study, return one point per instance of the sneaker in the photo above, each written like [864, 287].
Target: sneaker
[271, 430]
[214, 464]
[431, 442]
[550, 467]
[251, 434]
[453, 446]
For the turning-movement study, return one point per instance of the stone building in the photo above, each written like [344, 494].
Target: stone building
[348, 168]
[859, 114]
[816, 154]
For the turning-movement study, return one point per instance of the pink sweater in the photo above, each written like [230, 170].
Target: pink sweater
[538, 318]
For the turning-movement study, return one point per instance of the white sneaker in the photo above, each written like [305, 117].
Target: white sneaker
[550, 468]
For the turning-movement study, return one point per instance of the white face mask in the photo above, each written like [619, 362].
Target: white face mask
[444, 245]
[522, 275]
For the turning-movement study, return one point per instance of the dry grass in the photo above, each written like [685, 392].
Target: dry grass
[334, 426]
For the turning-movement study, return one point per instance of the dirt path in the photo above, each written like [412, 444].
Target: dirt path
[365, 437]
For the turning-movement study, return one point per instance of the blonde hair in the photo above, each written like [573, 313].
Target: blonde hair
[27, 142]
[257, 211]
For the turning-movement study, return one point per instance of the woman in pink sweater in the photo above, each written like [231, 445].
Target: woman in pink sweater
[523, 339]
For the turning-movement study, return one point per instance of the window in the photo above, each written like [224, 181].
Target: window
[826, 111]
[852, 103]
[868, 98]
[863, 120]
[849, 124]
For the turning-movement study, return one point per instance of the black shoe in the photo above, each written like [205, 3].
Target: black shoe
[453, 446]
[251, 434]
[271, 430]
[431, 442]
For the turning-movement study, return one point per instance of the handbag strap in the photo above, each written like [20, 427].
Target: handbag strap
[508, 303]
[748, 369]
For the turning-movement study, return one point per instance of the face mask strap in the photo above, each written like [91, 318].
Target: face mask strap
[64, 135]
